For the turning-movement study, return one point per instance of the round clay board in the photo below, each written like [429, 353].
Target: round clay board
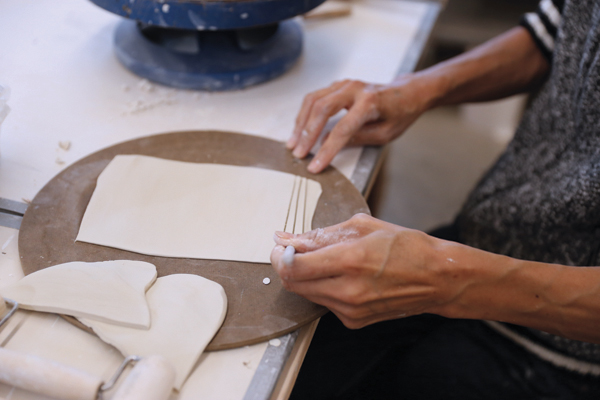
[256, 312]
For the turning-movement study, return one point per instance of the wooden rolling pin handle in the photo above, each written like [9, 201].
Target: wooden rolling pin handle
[2, 307]
[152, 378]
[46, 377]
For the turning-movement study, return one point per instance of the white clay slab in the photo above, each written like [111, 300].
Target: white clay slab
[187, 311]
[177, 209]
[110, 291]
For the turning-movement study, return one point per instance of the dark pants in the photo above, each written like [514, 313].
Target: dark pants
[429, 357]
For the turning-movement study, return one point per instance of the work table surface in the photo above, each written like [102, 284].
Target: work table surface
[70, 97]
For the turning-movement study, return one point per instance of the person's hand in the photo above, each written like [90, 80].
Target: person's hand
[376, 115]
[366, 270]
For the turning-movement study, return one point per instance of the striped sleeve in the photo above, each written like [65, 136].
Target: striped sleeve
[543, 24]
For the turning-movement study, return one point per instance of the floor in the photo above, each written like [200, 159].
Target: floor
[429, 171]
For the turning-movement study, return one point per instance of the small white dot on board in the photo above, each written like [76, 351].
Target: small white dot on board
[266, 281]
[275, 342]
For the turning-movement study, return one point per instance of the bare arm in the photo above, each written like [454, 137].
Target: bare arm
[508, 64]
[366, 270]
[554, 298]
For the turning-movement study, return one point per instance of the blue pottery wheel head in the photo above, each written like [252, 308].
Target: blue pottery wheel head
[208, 45]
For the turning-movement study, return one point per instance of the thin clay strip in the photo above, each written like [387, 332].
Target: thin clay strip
[295, 206]
[290, 205]
[304, 210]
[299, 208]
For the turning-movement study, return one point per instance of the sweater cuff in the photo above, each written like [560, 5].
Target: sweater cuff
[543, 25]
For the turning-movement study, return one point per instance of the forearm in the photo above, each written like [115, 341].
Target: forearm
[549, 297]
[506, 65]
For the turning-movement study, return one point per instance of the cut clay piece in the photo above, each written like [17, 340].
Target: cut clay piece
[187, 311]
[313, 194]
[110, 291]
[171, 208]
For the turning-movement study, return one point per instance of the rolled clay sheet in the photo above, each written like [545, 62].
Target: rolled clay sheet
[178, 209]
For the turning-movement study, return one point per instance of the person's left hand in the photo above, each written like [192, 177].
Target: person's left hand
[366, 270]
[376, 115]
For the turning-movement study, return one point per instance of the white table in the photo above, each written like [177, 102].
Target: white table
[68, 87]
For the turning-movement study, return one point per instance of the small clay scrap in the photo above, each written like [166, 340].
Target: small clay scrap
[65, 145]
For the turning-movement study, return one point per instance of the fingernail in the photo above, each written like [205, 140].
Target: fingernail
[298, 152]
[283, 235]
[314, 166]
[293, 140]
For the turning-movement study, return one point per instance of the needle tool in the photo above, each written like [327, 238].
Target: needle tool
[288, 256]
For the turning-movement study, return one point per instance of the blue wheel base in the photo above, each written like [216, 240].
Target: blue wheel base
[208, 60]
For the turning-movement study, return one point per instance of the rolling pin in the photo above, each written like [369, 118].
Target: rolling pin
[43, 376]
[46, 377]
[152, 377]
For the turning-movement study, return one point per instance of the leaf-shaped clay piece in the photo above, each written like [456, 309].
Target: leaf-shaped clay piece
[109, 291]
[187, 311]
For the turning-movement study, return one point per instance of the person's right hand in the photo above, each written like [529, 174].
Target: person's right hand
[366, 270]
[376, 115]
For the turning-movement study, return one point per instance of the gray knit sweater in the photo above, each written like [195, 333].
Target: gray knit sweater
[541, 200]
